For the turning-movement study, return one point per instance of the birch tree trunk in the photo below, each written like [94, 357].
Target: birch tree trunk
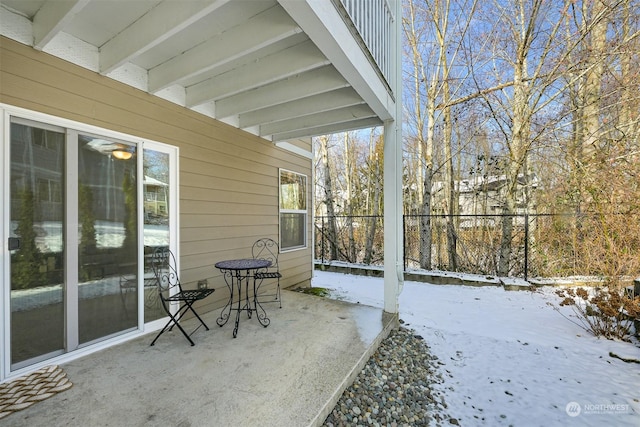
[520, 129]
[452, 198]
[630, 114]
[594, 28]
[375, 178]
[348, 174]
[332, 231]
[586, 91]
[425, 142]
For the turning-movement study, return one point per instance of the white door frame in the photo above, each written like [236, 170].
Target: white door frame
[73, 127]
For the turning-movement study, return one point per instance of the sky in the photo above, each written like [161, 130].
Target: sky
[509, 357]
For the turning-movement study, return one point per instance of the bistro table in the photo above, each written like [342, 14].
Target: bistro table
[235, 272]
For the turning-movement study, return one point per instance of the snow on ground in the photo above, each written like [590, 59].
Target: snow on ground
[508, 357]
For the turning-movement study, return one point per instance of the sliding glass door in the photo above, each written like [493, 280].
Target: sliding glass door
[108, 237]
[83, 223]
[36, 242]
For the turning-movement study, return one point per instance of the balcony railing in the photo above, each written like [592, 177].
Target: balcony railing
[373, 22]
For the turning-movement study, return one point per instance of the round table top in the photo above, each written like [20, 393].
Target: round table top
[243, 264]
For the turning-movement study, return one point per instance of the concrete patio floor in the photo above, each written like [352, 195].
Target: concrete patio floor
[289, 374]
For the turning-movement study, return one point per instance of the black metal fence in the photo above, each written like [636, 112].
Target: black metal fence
[541, 245]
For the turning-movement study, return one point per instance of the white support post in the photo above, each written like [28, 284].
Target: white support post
[393, 264]
[393, 232]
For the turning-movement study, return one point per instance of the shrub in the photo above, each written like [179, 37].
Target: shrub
[607, 311]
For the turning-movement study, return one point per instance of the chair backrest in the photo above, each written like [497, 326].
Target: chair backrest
[163, 264]
[268, 249]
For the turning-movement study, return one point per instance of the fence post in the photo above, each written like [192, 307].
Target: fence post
[322, 236]
[404, 242]
[526, 246]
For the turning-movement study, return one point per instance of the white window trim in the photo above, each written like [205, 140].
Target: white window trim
[305, 212]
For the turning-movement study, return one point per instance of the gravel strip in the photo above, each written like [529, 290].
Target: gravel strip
[395, 388]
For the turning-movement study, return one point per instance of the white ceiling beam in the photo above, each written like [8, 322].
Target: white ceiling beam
[340, 98]
[161, 23]
[259, 31]
[320, 20]
[296, 59]
[311, 121]
[317, 81]
[51, 19]
[295, 149]
[328, 129]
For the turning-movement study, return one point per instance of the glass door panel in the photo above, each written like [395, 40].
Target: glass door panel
[108, 238]
[74, 239]
[36, 243]
[156, 223]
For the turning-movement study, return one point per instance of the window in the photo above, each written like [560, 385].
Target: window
[49, 191]
[293, 210]
[46, 138]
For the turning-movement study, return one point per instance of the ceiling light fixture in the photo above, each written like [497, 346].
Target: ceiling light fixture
[121, 154]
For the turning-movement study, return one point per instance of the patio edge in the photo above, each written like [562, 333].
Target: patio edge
[390, 321]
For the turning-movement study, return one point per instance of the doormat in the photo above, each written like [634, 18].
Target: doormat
[37, 386]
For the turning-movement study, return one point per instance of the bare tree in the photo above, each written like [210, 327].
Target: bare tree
[349, 176]
[332, 229]
[630, 74]
[433, 48]
[526, 46]
[374, 173]
[423, 137]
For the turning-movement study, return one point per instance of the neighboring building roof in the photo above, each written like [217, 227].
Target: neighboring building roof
[152, 181]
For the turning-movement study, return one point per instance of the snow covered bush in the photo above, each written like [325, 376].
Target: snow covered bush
[607, 311]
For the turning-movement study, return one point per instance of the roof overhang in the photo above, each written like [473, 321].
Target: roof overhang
[280, 69]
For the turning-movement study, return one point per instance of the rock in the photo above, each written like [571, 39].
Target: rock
[395, 387]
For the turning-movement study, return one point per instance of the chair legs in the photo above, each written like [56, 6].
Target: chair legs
[174, 320]
[276, 295]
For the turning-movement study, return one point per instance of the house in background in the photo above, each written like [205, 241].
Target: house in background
[210, 104]
[155, 199]
[484, 197]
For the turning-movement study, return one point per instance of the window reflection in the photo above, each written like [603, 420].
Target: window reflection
[36, 269]
[156, 223]
[107, 247]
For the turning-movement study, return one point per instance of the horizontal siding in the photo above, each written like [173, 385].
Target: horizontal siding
[228, 178]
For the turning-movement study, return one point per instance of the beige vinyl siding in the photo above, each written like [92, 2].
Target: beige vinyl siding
[228, 178]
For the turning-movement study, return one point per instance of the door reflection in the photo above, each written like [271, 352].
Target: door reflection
[107, 243]
[36, 267]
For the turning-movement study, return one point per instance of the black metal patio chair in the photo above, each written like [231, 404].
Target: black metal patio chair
[171, 292]
[268, 249]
